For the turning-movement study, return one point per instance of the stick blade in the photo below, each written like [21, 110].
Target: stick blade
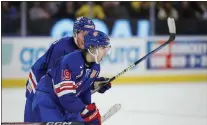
[113, 110]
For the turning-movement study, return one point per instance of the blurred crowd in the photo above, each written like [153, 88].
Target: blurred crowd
[106, 10]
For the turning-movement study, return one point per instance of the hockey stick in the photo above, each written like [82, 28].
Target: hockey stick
[172, 30]
[113, 110]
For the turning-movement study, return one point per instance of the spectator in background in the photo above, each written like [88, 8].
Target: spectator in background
[66, 10]
[139, 9]
[199, 8]
[5, 8]
[10, 17]
[9, 10]
[85, 10]
[51, 7]
[186, 12]
[205, 12]
[143, 12]
[165, 10]
[38, 11]
[113, 10]
[134, 8]
[203, 6]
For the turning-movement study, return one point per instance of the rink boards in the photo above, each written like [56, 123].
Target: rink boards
[184, 60]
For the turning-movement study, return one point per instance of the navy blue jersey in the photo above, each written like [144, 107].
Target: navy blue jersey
[43, 64]
[70, 82]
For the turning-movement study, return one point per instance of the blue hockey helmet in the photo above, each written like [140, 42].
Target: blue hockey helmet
[83, 23]
[96, 38]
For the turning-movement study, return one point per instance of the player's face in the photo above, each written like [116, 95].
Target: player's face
[102, 51]
[80, 39]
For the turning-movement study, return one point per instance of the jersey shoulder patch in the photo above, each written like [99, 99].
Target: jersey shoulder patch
[66, 75]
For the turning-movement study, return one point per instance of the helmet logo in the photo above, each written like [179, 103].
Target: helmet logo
[89, 26]
[89, 21]
[95, 34]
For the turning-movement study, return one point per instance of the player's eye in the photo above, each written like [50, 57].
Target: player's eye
[102, 47]
[85, 32]
[107, 49]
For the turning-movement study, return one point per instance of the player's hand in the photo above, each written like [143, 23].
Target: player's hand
[99, 82]
[91, 115]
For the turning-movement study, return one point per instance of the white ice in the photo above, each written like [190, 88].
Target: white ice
[152, 104]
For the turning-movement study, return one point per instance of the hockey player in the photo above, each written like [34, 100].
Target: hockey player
[64, 93]
[57, 49]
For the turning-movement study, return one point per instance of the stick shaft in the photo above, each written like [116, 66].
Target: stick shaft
[171, 38]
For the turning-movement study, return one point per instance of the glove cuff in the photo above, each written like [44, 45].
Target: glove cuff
[84, 111]
[88, 108]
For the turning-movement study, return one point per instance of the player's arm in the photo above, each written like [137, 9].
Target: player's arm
[86, 97]
[40, 67]
[38, 70]
[45, 62]
[66, 91]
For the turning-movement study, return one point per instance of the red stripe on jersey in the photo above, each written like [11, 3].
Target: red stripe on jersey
[30, 76]
[58, 90]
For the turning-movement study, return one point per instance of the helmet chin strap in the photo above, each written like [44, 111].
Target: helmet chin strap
[75, 39]
[95, 55]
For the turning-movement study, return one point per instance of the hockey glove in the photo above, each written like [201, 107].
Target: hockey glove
[91, 115]
[99, 81]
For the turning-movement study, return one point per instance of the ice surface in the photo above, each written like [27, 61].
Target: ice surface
[151, 104]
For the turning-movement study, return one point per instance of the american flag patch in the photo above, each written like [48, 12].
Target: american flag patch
[93, 73]
[95, 33]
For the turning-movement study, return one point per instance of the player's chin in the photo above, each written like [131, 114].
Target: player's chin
[81, 45]
[100, 60]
